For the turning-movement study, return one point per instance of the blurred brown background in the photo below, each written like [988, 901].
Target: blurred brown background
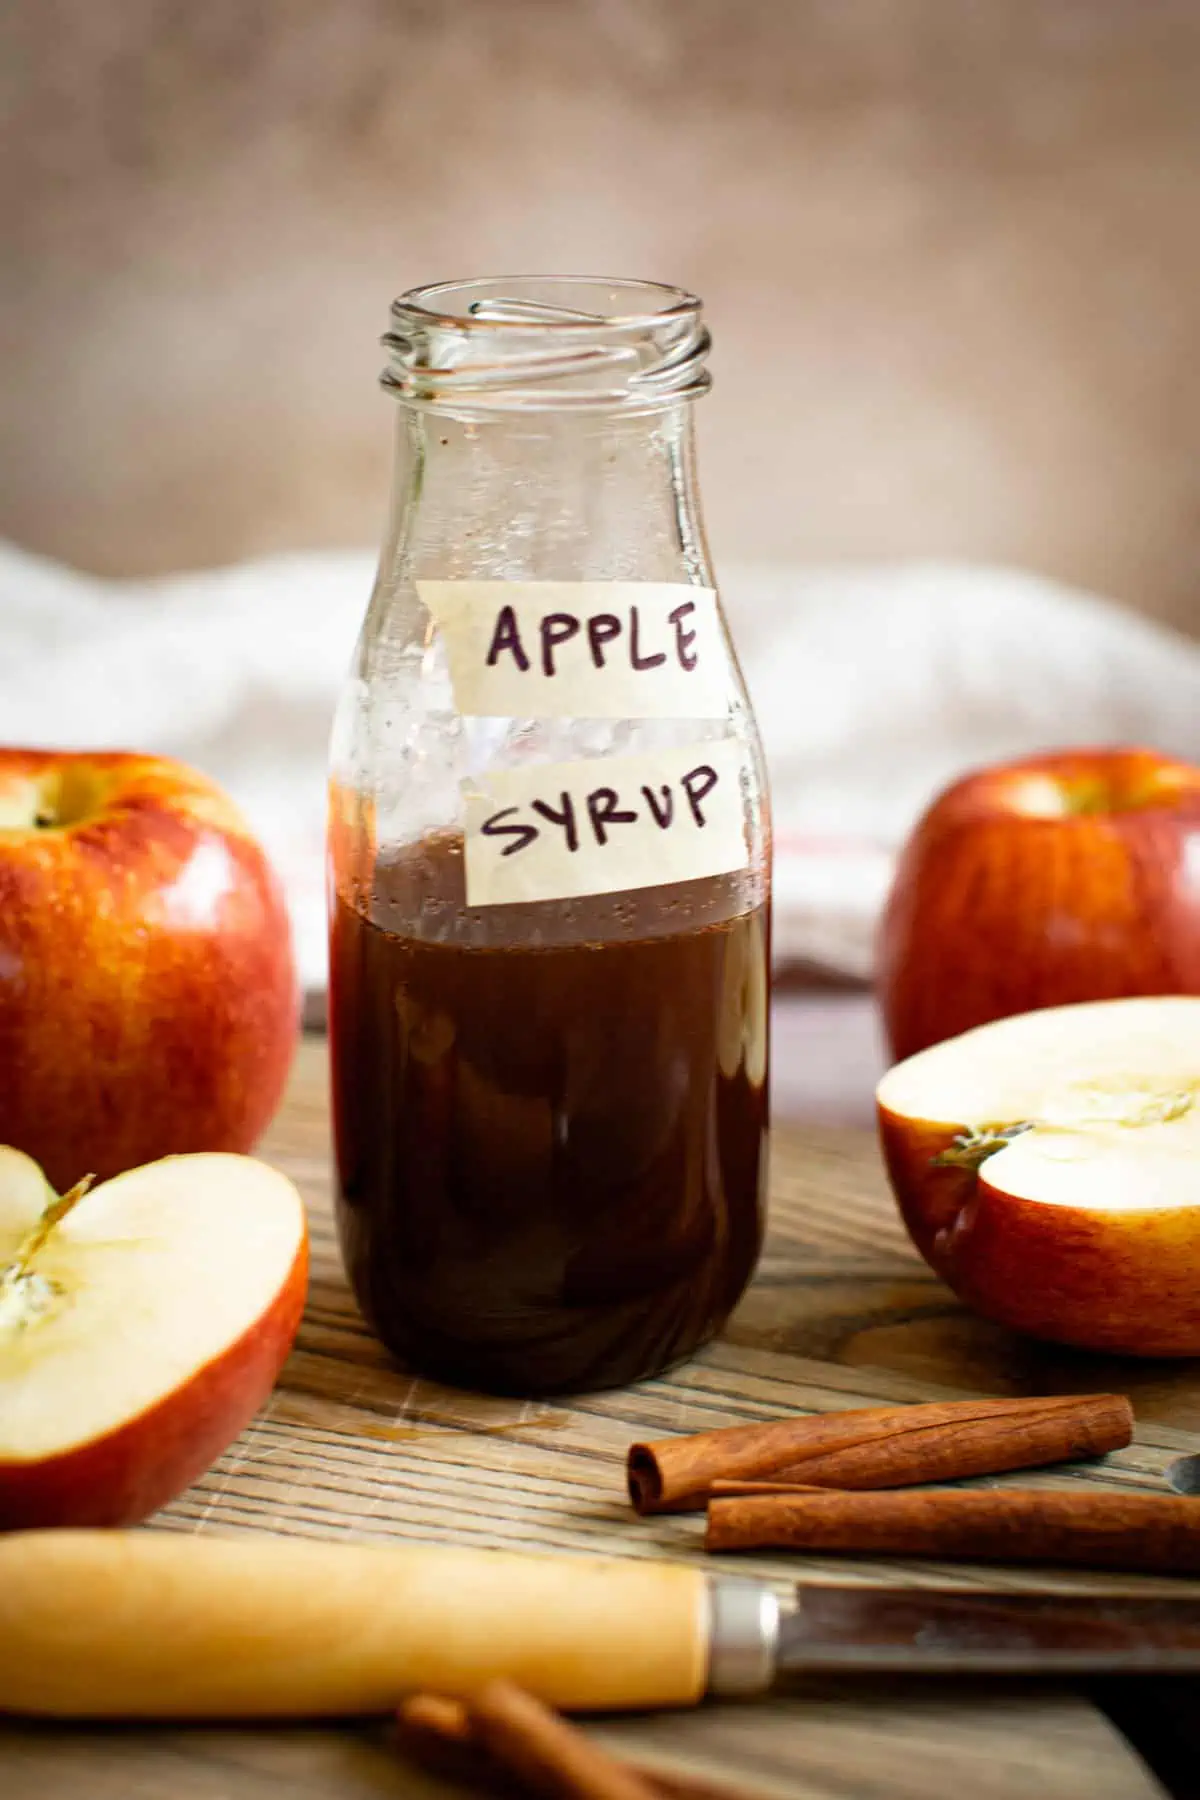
[949, 249]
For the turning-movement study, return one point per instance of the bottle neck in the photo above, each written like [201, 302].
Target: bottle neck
[547, 496]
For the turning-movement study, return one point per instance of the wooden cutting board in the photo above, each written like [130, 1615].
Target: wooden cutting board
[842, 1313]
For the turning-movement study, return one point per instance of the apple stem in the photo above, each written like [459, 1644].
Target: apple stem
[973, 1148]
[57, 1210]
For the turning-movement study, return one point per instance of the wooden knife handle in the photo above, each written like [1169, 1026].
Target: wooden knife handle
[111, 1624]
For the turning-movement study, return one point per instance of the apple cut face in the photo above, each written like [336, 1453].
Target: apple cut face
[142, 1334]
[1048, 1168]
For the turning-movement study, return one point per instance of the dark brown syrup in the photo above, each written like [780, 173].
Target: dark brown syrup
[550, 1157]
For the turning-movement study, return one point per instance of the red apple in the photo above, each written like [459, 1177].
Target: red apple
[1048, 1168]
[148, 999]
[1068, 877]
[140, 1330]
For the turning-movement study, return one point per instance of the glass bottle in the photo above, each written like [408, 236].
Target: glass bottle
[549, 858]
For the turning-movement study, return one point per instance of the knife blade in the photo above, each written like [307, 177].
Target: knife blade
[931, 1631]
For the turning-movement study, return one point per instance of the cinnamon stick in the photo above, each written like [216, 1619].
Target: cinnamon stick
[437, 1731]
[434, 1719]
[1091, 1528]
[437, 1716]
[550, 1756]
[529, 1740]
[880, 1446]
[725, 1490]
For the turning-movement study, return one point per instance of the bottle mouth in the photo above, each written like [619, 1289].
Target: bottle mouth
[539, 343]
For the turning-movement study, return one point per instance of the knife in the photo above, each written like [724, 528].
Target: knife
[155, 1624]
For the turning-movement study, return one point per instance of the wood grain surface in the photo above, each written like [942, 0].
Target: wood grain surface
[842, 1314]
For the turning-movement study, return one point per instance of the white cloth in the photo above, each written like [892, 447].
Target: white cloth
[874, 686]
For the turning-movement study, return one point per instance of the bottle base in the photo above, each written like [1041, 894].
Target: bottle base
[517, 1376]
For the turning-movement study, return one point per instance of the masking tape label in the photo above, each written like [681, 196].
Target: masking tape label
[559, 831]
[582, 649]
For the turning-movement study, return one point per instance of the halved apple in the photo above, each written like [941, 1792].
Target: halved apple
[1048, 1168]
[141, 1327]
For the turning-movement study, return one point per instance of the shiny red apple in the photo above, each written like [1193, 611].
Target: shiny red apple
[1067, 877]
[141, 1327]
[148, 1000]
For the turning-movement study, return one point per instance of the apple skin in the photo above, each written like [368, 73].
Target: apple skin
[127, 1474]
[1123, 1283]
[148, 995]
[1065, 877]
